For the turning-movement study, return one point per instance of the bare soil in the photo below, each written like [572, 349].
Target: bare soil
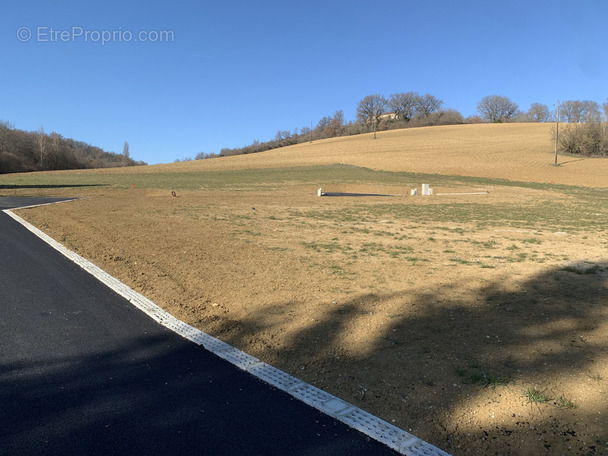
[446, 329]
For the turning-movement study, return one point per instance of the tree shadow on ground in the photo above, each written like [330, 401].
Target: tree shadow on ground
[442, 358]
[157, 395]
[46, 186]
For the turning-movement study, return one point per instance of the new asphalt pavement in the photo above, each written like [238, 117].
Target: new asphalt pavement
[83, 372]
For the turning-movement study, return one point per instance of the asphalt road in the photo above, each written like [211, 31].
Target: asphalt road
[83, 372]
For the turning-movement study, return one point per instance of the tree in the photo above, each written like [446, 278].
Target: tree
[589, 138]
[125, 150]
[41, 144]
[538, 112]
[54, 140]
[577, 111]
[324, 122]
[339, 117]
[605, 105]
[5, 128]
[427, 105]
[404, 105]
[496, 108]
[333, 129]
[205, 155]
[282, 135]
[445, 117]
[591, 111]
[370, 108]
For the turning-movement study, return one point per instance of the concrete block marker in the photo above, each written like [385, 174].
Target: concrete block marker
[414, 192]
[391, 436]
[426, 190]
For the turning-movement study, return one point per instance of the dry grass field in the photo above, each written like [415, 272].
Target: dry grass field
[519, 152]
[477, 322]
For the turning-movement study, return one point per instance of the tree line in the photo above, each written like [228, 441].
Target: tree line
[402, 110]
[23, 151]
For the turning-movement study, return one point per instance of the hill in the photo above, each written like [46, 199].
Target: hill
[519, 152]
[23, 151]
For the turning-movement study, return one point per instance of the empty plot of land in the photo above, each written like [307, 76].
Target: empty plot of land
[478, 323]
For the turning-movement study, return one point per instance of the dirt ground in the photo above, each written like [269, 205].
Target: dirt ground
[482, 333]
[440, 329]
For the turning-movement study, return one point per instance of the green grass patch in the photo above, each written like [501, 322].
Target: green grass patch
[585, 209]
[563, 402]
[536, 396]
[488, 380]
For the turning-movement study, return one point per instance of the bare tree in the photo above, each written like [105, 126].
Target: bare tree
[54, 140]
[339, 117]
[282, 135]
[370, 108]
[125, 151]
[404, 105]
[589, 138]
[445, 117]
[539, 112]
[334, 128]
[577, 111]
[324, 122]
[570, 111]
[496, 108]
[605, 106]
[427, 105]
[5, 128]
[41, 144]
[592, 111]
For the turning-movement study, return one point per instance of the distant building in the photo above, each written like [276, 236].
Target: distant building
[387, 116]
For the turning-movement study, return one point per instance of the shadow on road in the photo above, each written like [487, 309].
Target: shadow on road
[156, 396]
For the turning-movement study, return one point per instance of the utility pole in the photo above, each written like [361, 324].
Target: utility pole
[556, 132]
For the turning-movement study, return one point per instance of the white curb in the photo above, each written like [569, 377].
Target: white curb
[393, 437]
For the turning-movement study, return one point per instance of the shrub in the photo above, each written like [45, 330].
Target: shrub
[589, 139]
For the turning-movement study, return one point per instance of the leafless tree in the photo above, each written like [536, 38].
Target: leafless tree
[496, 108]
[588, 138]
[539, 112]
[339, 117]
[54, 142]
[5, 128]
[605, 106]
[324, 122]
[444, 117]
[427, 105]
[370, 108]
[404, 105]
[41, 143]
[578, 111]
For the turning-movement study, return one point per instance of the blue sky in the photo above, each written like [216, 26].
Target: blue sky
[235, 71]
